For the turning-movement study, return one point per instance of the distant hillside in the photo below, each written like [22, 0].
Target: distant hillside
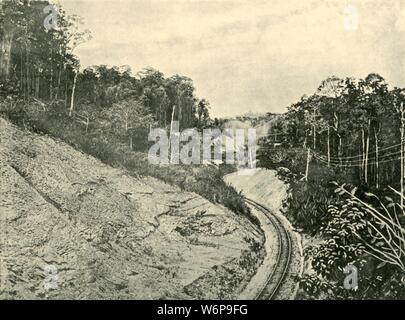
[263, 123]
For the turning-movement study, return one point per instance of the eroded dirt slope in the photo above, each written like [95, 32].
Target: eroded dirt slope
[108, 234]
[266, 188]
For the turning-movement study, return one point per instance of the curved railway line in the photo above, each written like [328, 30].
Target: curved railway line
[284, 253]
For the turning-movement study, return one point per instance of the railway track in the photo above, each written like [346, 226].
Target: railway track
[283, 259]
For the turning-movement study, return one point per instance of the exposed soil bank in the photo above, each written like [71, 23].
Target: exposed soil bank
[109, 235]
[266, 188]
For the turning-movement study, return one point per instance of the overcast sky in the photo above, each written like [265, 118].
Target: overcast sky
[250, 55]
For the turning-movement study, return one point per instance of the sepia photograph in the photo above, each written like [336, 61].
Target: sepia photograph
[202, 150]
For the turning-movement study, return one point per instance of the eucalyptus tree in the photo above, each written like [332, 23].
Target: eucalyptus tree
[333, 88]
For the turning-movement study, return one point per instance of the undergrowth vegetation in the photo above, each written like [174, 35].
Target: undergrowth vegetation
[52, 119]
[340, 153]
[354, 226]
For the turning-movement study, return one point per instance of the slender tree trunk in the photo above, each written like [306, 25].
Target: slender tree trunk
[72, 101]
[27, 72]
[367, 151]
[171, 129]
[51, 80]
[307, 167]
[314, 132]
[60, 72]
[328, 146]
[336, 127]
[22, 72]
[363, 158]
[402, 155]
[377, 178]
[37, 86]
[58, 87]
[33, 81]
[28, 75]
[171, 123]
[361, 166]
[5, 53]
[66, 91]
[160, 114]
[180, 116]
[402, 167]
[128, 129]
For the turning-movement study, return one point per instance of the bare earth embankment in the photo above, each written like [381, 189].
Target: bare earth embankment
[108, 234]
[266, 188]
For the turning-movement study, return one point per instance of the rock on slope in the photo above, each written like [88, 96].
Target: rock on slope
[108, 235]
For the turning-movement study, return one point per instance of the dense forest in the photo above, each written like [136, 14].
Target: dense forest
[39, 69]
[37, 64]
[41, 64]
[344, 148]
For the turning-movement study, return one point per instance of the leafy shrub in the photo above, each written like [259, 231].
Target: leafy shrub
[308, 206]
[294, 159]
[367, 236]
